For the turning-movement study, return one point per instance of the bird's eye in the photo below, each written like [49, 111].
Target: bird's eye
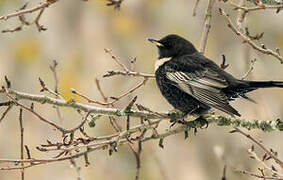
[169, 45]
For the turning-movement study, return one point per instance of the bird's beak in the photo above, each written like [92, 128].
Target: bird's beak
[156, 42]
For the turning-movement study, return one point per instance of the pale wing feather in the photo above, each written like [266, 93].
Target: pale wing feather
[205, 86]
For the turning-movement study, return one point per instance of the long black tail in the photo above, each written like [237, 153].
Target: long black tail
[264, 84]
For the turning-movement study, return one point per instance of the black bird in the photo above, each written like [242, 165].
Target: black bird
[193, 83]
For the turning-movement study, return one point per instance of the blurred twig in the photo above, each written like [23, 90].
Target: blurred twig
[115, 3]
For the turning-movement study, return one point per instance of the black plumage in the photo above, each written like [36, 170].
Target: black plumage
[193, 83]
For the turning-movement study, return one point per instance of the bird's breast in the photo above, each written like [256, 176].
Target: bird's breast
[160, 62]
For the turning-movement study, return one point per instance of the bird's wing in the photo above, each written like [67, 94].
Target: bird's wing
[205, 85]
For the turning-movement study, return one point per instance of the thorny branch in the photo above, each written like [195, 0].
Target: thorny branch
[256, 8]
[271, 154]
[248, 40]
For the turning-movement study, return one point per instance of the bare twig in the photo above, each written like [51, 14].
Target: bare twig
[256, 8]
[115, 98]
[195, 7]
[278, 161]
[250, 69]
[126, 71]
[129, 73]
[22, 141]
[100, 90]
[6, 112]
[256, 175]
[53, 69]
[36, 21]
[248, 40]
[207, 26]
[33, 112]
[270, 169]
[27, 11]
[241, 15]
[45, 88]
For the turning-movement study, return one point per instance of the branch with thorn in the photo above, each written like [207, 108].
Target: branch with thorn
[248, 40]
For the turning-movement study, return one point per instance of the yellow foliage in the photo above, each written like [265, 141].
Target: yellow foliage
[69, 81]
[70, 78]
[124, 25]
[28, 51]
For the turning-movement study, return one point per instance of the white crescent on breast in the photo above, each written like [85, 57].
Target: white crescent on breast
[160, 62]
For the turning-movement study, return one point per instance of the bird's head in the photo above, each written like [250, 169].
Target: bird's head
[172, 46]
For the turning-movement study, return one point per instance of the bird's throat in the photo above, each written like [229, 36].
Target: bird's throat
[160, 62]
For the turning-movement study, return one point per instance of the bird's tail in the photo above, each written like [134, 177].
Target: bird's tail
[264, 84]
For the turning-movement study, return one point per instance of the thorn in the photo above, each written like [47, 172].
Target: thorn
[278, 51]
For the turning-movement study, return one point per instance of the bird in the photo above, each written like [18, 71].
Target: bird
[194, 84]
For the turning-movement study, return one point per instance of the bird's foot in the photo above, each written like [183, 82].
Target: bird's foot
[199, 122]
[176, 116]
[174, 121]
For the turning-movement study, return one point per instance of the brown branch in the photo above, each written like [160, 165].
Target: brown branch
[6, 112]
[278, 161]
[248, 40]
[254, 156]
[100, 90]
[45, 88]
[256, 8]
[250, 69]
[27, 11]
[207, 26]
[22, 141]
[256, 175]
[129, 73]
[195, 7]
[116, 99]
[33, 112]
[80, 106]
[241, 15]
[53, 69]
[36, 21]
[56, 79]
[126, 71]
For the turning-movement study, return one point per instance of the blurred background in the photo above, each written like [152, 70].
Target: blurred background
[76, 37]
